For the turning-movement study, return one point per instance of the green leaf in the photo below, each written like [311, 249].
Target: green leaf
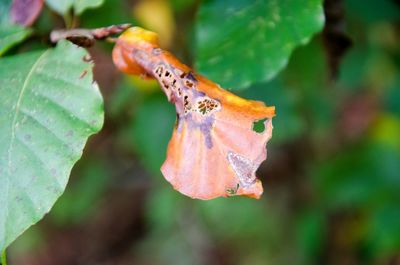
[63, 6]
[373, 10]
[392, 97]
[363, 175]
[81, 5]
[4, 258]
[11, 35]
[49, 107]
[239, 43]
[5, 12]
[310, 233]
[60, 6]
[384, 231]
[110, 13]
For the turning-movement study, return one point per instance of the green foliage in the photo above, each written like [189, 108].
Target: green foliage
[81, 5]
[151, 130]
[63, 6]
[11, 35]
[162, 209]
[50, 106]
[109, 13]
[331, 180]
[392, 96]
[290, 123]
[364, 178]
[310, 233]
[4, 258]
[242, 213]
[360, 176]
[88, 188]
[239, 43]
[383, 235]
[4, 12]
[374, 10]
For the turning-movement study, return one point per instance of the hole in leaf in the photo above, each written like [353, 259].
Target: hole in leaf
[259, 126]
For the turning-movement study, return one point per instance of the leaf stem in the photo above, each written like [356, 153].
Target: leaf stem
[67, 20]
[70, 19]
[4, 258]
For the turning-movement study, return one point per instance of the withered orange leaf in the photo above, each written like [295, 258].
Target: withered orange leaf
[214, 150]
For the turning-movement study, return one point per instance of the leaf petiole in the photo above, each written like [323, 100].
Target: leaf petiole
[4, 258]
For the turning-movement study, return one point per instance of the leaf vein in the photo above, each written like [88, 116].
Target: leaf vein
[13, 128]
[18, 106]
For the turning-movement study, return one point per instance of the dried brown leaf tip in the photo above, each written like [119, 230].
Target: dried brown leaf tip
[87, 37]
[215, 148]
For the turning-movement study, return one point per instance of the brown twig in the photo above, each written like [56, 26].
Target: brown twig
[87, 37]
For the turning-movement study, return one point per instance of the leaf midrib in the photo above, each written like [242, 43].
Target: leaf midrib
[13, 126]
[18, 105]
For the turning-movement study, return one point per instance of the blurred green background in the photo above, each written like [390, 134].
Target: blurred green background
[332, 178]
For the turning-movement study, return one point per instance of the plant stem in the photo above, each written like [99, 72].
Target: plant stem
[70, 19]
[67, 20]
[4, 258]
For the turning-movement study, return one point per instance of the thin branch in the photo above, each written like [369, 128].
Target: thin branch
[87, 37]
[4, 258]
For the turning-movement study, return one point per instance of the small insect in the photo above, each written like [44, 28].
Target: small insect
[214, 150]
